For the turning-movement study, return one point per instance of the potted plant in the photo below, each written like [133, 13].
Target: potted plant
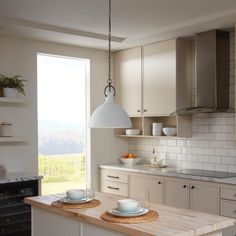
[1, 87]
[12, 85]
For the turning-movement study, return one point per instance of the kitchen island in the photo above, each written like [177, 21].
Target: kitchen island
[51, 221]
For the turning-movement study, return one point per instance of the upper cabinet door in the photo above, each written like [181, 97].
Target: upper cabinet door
[159, 78]
[128, 80]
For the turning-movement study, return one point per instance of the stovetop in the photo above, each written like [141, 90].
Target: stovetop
[204, 173]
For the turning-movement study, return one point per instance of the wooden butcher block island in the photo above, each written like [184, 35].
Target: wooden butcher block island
[49, 220]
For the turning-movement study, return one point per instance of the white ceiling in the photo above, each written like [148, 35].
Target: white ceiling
[84, 22]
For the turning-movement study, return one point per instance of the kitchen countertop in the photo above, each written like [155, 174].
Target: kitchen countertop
[18, 177]
[172, 221]
[165, 172]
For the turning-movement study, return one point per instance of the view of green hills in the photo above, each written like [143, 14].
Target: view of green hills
[61, 156]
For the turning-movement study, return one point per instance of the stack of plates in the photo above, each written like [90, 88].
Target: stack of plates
[69, 201]
[138, 212]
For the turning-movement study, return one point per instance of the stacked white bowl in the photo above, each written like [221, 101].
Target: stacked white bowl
[157, 129]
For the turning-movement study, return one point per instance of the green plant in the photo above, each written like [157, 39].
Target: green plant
[13, 82]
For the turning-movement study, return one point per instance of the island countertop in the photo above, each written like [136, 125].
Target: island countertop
[172, 221]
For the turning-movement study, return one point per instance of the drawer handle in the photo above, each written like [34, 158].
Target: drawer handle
[159, 182]
[184, 186]
[193, 187]
[138, 110]
[145, 110]
[113, 177]
[113, 188]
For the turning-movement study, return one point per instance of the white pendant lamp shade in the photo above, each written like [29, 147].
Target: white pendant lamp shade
[110, 115]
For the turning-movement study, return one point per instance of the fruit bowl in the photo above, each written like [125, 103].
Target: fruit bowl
[130, 161]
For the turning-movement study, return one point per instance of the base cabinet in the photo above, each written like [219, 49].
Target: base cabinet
[204, 197]
[48, 224]
[231, 231]
[176, 193]
[153, 184]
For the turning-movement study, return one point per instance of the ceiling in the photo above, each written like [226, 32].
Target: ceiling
[134, 22]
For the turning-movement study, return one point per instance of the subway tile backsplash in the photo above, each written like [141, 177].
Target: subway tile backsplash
[212, 146]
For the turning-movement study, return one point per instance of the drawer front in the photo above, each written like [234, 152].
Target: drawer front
[114, 188]
[228, 193]
[228, 208]
[114, 175]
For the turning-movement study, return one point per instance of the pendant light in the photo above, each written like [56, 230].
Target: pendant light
[109, 114]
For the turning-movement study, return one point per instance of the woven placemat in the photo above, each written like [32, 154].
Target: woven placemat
[150, 216]
[63, 205]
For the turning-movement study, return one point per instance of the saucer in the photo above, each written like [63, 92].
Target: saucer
[69, 201]
[138, 212]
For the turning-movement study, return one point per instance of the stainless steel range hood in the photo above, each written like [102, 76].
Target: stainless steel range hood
[212, 73]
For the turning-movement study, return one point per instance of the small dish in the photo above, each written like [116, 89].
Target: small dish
[133, 132]
[169, 131]
[69, 201]
[138, 212]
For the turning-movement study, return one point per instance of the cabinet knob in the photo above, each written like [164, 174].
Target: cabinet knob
[145, 110]
[184, 186]
[193, 187]
[138, 110]
[159, 182]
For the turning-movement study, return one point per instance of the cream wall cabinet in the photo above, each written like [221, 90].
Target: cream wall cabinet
[167, 76]
[142, 182]
[154, 80]
[128, 80]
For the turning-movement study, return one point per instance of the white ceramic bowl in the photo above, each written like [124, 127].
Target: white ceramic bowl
[169, 131]
[127, 205]
[132, 131]
[130, 161]
[75, 194]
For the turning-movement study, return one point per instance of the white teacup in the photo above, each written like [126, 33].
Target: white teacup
[75, 194]
[127, 205]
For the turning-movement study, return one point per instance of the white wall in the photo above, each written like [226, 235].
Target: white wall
[212, 146]
[19, 56]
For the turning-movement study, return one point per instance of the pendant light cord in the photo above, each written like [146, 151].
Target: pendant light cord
[109, 81]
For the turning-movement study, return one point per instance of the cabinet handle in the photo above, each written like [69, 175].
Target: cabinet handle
[145, 110]
[113, 188]
[159, 182]
[193, 187]
[184, 186]
[113, 177]
[138, 110]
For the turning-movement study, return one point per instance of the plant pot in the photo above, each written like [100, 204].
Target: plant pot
[1, 92]
[9, 92]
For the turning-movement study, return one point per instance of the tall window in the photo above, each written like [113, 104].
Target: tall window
[61, 122]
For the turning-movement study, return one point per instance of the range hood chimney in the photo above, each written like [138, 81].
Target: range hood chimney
[212, 73]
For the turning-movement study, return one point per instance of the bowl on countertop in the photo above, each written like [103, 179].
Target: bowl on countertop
[169, 131]
[132, 131]
[127, 205]
[130, 161]
[75, 194]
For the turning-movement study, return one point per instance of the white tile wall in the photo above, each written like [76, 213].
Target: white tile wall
[212, 146]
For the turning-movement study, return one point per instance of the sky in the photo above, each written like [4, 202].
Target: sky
[61, 89]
